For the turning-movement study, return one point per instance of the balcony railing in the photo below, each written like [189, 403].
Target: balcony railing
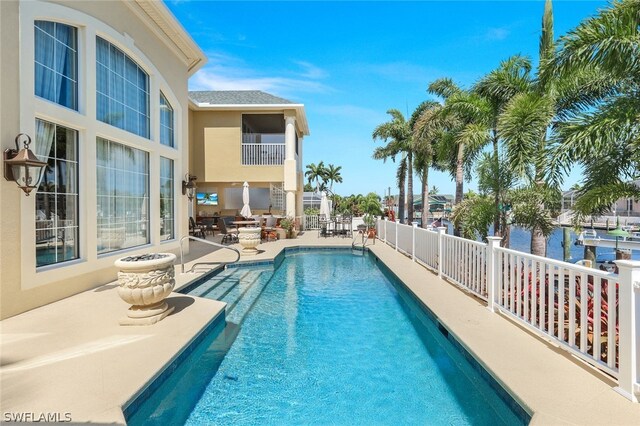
[263, 154]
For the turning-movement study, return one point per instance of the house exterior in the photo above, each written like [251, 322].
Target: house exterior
[623, 207]
[101, 89]
[246, 136]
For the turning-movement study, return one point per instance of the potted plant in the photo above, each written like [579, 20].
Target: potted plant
[287, 224]
[370, 222]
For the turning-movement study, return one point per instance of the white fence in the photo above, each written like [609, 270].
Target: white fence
[593, 314]
[464, 263]
[311, 222]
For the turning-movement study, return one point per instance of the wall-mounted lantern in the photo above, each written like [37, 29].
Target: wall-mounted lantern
[22, 166]
[189, 186]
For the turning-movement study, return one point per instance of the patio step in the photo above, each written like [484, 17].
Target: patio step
[238, 287]
[217, 286]
[239, 304]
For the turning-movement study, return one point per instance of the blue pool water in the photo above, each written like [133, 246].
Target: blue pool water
[325, 339]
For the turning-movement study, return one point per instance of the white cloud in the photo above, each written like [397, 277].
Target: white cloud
[399, 71]
[224, 72]
[496, 34]
[350, 113]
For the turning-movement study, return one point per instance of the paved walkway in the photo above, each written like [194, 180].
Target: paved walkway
[72, 356]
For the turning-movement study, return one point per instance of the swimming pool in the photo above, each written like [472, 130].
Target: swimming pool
[326, 338]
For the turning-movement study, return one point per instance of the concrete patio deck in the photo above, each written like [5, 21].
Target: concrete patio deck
[72, 356]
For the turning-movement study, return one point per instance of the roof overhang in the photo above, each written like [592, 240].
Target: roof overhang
[301, 116]
[166, 27]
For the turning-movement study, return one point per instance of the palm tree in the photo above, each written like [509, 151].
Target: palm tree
[525, 124]
[397, 134]
[434, 190]
[425, 125]
[497, 89]
[316, 173]
[603, 136]
[332, 174]
[462, 132]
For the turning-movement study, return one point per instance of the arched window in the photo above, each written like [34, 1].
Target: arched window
[122, 90]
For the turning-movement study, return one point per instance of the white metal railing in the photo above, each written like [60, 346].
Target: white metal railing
[263, 154]
[405, 239]
[593, 314]
[390, 233]
[426, 247]
[574, 305]
[464, 263]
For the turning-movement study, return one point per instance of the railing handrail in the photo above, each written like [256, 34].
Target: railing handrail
[465, 240]
[211, 243]
[558, 263]
[263, 144]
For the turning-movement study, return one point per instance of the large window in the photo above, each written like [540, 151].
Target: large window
[122, 90]
[166, 199]
[166, 121]
[57, 196]
[123, 196]
[56, 63]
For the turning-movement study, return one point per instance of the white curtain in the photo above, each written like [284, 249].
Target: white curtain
[45, 132]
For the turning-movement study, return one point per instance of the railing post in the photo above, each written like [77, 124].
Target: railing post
[629, 327]
[492, 281]
[441, 231]
[385, 229]
[413, 243]
[397, 223]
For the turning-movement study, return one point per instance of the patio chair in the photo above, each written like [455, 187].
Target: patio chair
[228, 234]
[269, 229]
[196, 230]
[324, 226]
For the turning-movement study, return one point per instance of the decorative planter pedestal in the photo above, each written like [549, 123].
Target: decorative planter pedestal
[145, 281]
[249, 238]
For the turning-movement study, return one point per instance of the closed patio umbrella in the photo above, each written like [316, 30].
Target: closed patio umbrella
[325, 209]
[246, 210]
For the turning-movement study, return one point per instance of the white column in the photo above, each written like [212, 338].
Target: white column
[492, 281]
[290, 175]
[629, 323]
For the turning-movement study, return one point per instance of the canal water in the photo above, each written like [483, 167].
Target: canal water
[521, 241]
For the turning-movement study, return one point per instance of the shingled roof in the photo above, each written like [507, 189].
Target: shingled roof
[236, 97]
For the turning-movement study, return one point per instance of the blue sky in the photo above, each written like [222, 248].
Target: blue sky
[349, 62]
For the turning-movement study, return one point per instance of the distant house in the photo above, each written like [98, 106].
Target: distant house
[437, 202]
[247, 135]
[622, 207]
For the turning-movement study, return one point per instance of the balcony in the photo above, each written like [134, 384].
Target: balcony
[263, 154]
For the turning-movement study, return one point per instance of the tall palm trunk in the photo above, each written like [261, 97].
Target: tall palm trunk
[425, 196]
[402, 171]
[410, 187]
[538, 240]
[459, 182]
[497, 231]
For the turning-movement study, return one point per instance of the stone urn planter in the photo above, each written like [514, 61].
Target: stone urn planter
[144, 282]
[249, 238]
